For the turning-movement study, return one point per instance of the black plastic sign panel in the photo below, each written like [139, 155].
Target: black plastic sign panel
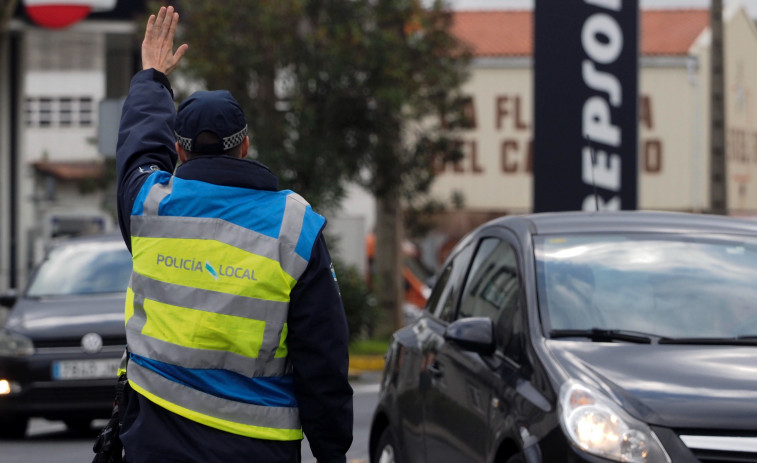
[586, 74]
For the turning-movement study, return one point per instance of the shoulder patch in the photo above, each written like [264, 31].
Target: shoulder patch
[333, 274]
[148, 168]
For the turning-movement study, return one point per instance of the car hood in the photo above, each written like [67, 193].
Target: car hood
[675, 386]
[67, 317]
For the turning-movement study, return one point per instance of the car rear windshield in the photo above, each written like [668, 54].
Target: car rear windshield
[667, 285]
[82, 268]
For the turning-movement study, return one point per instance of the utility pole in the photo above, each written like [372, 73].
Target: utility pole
[8, 144]
[718, 191]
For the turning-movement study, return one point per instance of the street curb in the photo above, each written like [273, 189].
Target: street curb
[360, 363]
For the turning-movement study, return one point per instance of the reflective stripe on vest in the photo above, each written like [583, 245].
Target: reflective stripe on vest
[262, 422]
[208, 300]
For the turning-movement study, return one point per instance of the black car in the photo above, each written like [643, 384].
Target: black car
[61, 344]
[581, 337]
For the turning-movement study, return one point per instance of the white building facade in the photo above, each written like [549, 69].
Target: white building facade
[496, 174]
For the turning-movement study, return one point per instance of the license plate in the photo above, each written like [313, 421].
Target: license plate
[86, 369]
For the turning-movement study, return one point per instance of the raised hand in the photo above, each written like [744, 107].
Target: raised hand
[157, 47]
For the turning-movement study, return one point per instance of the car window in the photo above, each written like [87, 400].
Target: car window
[492, 288]
[439, 288]
[669, 285]
[82, 268]
[447, 289]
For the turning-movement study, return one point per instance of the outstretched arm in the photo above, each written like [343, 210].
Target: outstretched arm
[146, 141]
[157, 47]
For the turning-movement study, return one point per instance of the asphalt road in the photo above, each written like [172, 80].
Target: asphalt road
[51, 442]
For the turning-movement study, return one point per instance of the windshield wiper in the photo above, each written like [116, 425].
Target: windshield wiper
[603, 335]
[744, 340]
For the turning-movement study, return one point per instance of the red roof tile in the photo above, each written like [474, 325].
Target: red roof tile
[71, 170]
[495, 33]
[671, 32]
[509, 33]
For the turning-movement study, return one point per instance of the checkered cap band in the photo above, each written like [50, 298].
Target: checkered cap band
[235, 139]
[184, 142]
[227, 142]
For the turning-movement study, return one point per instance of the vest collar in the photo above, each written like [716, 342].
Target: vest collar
[228, 171]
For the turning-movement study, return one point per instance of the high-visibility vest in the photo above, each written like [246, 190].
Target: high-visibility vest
[207, 303]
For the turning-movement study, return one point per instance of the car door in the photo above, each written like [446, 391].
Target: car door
[457, 406]
[406, 362]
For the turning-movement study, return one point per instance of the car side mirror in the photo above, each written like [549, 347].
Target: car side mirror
[8, 298]
[474, 334]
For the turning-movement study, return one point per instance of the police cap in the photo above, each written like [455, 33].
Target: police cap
[210, 111]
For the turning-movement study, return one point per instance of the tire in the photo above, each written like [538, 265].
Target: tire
[386, 450]
[13, 426]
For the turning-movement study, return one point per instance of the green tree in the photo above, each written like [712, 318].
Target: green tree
[338, 91]
[417, 68]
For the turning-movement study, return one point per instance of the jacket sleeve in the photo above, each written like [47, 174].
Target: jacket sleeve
[146, 140]
[317, 342]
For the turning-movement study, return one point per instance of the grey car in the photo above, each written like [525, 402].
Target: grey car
[581, 337]
[62, 341]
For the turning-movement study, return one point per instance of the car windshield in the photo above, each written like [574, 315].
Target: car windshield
[664, 285]
[82, 268]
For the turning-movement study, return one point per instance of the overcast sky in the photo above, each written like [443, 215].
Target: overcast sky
[751, 5]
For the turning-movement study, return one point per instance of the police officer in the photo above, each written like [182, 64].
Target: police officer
[236, 332]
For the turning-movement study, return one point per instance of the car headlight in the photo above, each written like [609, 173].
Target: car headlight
[597, 425]
[15, 345]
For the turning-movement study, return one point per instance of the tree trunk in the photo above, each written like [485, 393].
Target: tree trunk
[7, 7]
[388, 257]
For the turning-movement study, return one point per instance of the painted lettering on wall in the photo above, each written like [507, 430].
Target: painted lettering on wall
[651, 146]
[742, 146]
[515, 152]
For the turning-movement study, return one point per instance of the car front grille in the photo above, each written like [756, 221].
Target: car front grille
[72, 395]
[709, 456]
[736, 448]
[116, 341]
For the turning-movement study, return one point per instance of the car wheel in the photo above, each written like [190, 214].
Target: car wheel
[13, 426]
[386, 450]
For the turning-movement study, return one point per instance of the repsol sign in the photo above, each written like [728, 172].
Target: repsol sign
[585, 104]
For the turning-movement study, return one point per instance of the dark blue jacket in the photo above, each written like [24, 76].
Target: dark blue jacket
[317, 339]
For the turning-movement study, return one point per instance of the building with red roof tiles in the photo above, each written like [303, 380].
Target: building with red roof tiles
[495, 175]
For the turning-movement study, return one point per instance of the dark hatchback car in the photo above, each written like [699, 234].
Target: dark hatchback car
[581, 337]
[61, 344]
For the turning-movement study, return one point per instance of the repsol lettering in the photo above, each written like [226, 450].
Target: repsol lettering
[602, 41]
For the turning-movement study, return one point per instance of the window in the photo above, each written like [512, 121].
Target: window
[83, 268]
[444, 298]
[85, 111]
[65, 116]
[493, 290]
[45, 112]
[31, 112]
[64, 111]
[439, 287]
